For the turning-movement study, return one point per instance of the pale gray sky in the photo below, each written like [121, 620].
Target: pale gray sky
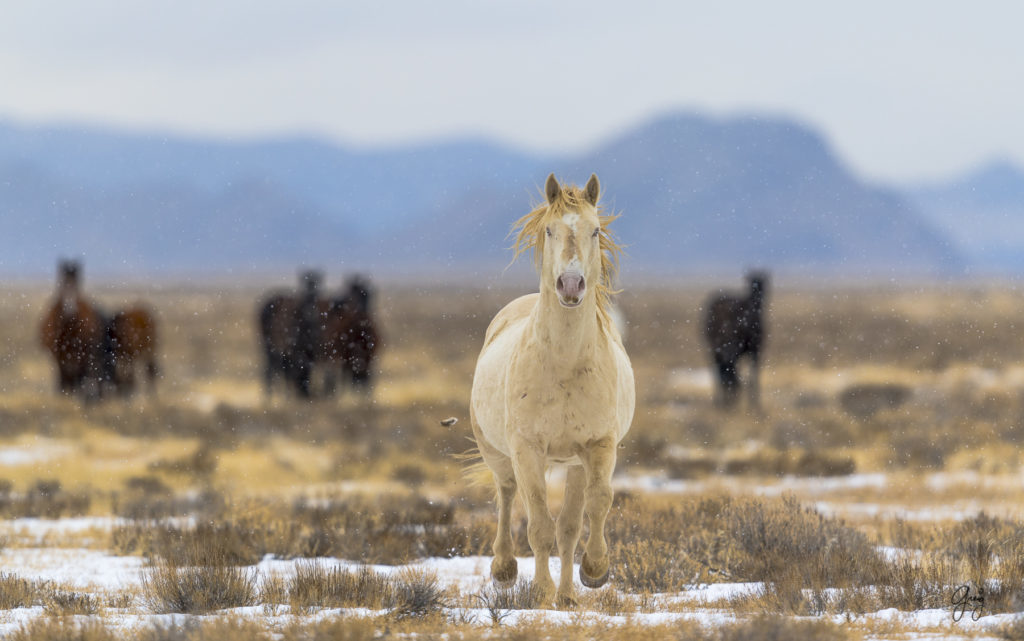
[904, 90]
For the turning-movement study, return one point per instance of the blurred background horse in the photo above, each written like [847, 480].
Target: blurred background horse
[734, 327]
[304, 334]
[74, 331]
[94, 352]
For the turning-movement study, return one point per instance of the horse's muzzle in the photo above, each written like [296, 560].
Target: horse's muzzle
[570, 287]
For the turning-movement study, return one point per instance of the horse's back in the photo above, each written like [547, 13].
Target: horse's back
[134, 330]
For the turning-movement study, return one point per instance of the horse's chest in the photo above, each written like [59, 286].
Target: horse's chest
[572, 408]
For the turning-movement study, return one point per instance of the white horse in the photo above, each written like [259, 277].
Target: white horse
[553, 384]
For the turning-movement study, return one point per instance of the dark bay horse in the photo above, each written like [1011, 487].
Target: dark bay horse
[289, 326]
[74, 331]
[349, 337]
[734, 327]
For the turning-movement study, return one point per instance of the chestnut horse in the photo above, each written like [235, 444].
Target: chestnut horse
[553, 385]
[74, 331]
[132, 342]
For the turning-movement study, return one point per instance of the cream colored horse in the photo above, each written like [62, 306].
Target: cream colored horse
[553, 385]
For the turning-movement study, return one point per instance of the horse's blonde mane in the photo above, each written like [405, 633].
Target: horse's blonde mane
[529, 231]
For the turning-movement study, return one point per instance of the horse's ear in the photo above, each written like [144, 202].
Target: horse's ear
[592, 190]
[551, 188]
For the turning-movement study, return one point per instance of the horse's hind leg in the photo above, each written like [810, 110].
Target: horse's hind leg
[598, 463]
[567, 531]
[730, 382]
[754, 384]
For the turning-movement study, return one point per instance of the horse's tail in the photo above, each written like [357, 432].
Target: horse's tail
[475, 471]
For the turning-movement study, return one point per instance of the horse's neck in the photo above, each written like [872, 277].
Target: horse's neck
[566, 335]
[69, 301]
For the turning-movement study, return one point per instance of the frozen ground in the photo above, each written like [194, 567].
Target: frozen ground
[104, 575]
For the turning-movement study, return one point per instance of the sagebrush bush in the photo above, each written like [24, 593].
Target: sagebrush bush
[68, 603]
[418, 595]
[198, 589]
[313, 585]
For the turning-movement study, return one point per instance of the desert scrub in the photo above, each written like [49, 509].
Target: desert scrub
[61, 603]
[19, 592]
[659, 544]
[313, 585]
[389, 529]
[198, 589]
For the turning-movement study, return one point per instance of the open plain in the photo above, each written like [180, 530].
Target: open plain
[883, 472]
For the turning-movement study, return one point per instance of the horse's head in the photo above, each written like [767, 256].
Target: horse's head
[68, 271]
[758, 282]
[68, 274]
[310, 280]
[571, 256]
[360, 291]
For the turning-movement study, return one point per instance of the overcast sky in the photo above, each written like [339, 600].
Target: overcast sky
[903, 89]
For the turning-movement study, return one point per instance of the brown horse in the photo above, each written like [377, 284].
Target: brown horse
[74, 332]
[132, 341]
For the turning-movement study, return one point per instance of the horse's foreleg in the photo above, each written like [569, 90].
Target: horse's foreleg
[504, 568]
[570, 522]
[599, 464]
[530, 464]
[754, 390]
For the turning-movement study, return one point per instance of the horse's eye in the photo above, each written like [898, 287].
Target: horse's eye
[547, 230]
[596, 232]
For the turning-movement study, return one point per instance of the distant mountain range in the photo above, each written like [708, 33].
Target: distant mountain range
[983, 212]
[697, 196]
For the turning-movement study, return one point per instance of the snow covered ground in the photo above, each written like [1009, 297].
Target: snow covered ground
[105, 575]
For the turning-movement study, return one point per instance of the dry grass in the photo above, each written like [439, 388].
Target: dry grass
[18, 592]
[198, 589]
[315, 586]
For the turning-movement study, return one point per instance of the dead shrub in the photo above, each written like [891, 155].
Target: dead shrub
[779, 628]
[863, 400]
[418, 595]
[644, 566]
[198, 589]
[316, 586]
[65, 629]
[62, 603]
[500, 603]
[44, 499]
[18, 592]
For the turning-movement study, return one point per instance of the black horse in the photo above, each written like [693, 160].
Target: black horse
[734, 326]
[350, 338]
[290, 331]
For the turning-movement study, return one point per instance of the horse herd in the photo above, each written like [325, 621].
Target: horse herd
[306, 332]
[99, 354]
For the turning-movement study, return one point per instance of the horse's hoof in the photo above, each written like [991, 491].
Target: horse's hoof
[587, 573]
[503, 575]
